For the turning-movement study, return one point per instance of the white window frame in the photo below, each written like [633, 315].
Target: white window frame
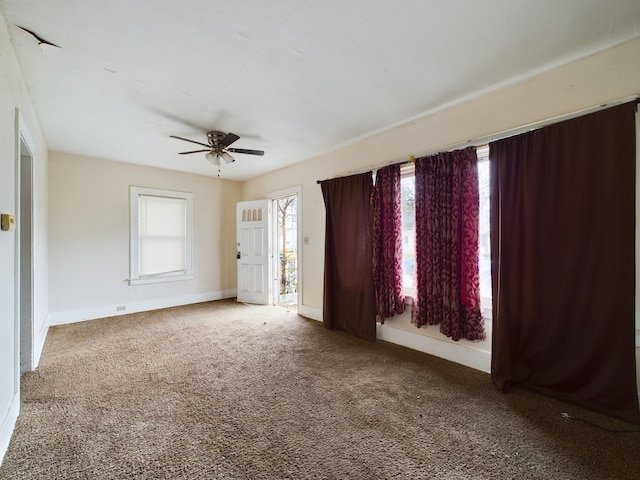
[135, 278]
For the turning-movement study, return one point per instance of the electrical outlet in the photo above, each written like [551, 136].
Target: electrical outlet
[121, 308]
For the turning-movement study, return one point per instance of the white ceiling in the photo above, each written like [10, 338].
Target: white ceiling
[295, 78]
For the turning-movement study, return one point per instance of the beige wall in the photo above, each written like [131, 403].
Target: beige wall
[89, 238]
[604, 77]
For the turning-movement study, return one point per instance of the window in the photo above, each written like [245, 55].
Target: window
[484, 231]
[407, 188]
[409, 238]
[161, 235]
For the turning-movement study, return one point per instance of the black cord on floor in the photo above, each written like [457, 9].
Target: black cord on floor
[566, 416]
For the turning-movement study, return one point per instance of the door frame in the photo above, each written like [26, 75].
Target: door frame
[288, 192]
[24, 245]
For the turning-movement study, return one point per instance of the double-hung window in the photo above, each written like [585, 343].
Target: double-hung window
[161, 235]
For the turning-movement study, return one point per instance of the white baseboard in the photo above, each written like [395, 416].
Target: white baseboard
[8, 424]
[92, 313]
[454, 352]
[38, 344]
[311, 312]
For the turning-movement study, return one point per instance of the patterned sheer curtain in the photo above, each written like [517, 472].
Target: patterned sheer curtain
[447, 271]
[387, 243]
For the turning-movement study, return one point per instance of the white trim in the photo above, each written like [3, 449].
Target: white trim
[23, 346]
[39, 341]
[25, 134]
[9, 424]
[285, 192]
[159, 279]
[310, 312]
[93, 313]
[457, 353]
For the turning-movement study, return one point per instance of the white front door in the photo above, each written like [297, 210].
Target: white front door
[253, 220]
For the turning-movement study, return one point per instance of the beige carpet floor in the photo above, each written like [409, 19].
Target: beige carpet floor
[231, 391]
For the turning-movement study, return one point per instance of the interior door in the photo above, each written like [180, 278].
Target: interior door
[253, 220]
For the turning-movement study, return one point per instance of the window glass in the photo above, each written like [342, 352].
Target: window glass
[407, 185]
[484, 231]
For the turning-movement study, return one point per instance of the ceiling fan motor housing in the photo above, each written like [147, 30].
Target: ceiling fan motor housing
[215, 137]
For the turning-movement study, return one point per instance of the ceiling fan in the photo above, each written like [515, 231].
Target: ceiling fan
[218, 147]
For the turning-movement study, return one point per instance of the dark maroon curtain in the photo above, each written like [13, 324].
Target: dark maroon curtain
[447, 270]
[562, 251]
[349, 299]
[387, 242]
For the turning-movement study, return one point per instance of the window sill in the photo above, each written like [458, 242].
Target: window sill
[159, 279]
[487, 313]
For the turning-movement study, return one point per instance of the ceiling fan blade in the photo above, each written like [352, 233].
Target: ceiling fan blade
[244, 150]
[192, 141]
[194, 151]
[228, 139]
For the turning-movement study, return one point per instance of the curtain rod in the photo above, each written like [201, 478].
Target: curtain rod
[411, 160]
[481, 141]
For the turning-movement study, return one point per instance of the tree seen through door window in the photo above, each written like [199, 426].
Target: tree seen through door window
[287, 244]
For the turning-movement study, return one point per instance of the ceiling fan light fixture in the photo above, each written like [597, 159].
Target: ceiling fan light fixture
[213, 158]
[227, 158]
